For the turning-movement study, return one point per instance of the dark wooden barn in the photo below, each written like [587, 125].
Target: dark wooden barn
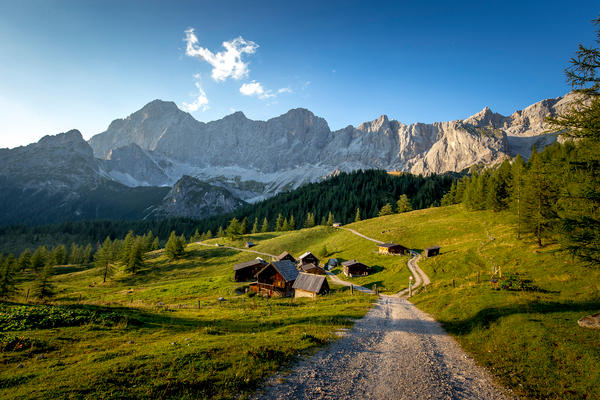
[275, 279]
[391, 248]
[308, 258]
[355, 268]
[431, 251]
[312, 269]
[245, 271]
[286, 256]
[310, 285]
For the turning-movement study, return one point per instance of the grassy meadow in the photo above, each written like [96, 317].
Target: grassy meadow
[163, 333]
[528, 338]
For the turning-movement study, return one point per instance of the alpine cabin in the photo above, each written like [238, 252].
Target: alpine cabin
[275, 279]
[308, 258]
[431, 251]
[286, 256]
[354, 268]
[245, 271]
[309, 285]
[391, 248]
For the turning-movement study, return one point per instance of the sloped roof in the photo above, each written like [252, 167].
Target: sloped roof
[287, 269]
[308, 253]
[351, 262]
[388, 245]
[309, 282]
[307, 267]
[248, 264]
[432, 248]
[284, 254]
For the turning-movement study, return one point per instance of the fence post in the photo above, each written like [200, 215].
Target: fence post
[352, 289]
[453, 284]
[27, 295]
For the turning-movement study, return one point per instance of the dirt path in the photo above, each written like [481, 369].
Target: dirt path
[421, 277]
[395, 352]
[338, 281]
[236, 248]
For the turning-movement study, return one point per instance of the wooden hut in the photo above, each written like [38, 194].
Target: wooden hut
[286, 256]
[355, 268]
[391, 248]
[431, 251]
[312, 269]
[275, 279]
[309, 285]
[249, 244]
[245, 271]
[308, 258]
[337, 224]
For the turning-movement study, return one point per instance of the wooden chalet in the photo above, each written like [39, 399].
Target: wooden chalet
[310, 285]
[431, 251]
[311, 269]
[275, 279]
[308, 258]
[355, 268]
[245, 271]
[286, 256]
[391, 248]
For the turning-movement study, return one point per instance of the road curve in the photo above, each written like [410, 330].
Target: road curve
[395, 352]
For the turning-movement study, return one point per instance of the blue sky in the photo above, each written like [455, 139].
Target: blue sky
[81, 64]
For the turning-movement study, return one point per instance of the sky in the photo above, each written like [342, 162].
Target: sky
[81, 64]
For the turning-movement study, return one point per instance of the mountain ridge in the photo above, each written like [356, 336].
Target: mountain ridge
[299, 147]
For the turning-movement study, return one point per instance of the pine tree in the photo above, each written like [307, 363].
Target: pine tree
[539, 198]
[75, 254]
[174, 248]
[292, 223]
[136, 256]
[357, 216]
[244, 226]
[285, 226]
[234, 230]
[403, 204]
[87, 253]
[220, 232]
[265, 226]
[310, 220]
[24, 260]
[8, 269]
[38, 259]
[104, 258]
[42, 287]
[580, 206]
[59, 255]
[126, 247]
[279, 223]
[517, 185]
[155, 244]
[330, 219]
[255, 226]
[195, 237]
[386, 210]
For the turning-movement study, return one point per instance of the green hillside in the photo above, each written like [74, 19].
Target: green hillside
[164, 333]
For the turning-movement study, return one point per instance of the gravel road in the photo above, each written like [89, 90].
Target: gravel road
[395, 352]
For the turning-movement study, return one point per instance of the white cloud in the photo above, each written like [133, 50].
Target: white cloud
[201, 102]
[226, 64]
[285, 90]
[255, 89]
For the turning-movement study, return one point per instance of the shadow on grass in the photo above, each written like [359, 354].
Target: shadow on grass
[489, 315]
[373, 269]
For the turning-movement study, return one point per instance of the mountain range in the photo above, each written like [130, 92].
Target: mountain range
[161, 162]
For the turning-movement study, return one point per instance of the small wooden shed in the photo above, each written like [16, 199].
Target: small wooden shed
[355, 268]
[337, 224]
[309, 285]
[276, 279]
[431, 251]
[391, 248]
[249, 244]
[245, 271]
[286, 256]
[308, 258]
[312, 269]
